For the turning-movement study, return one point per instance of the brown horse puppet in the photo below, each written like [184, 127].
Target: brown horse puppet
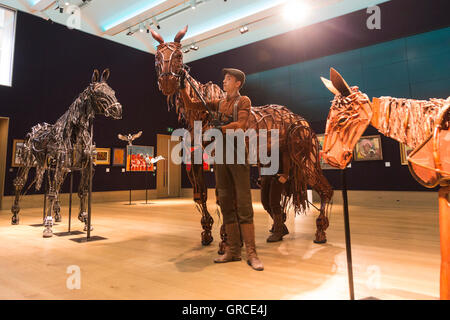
[298, 143]
[420, 124]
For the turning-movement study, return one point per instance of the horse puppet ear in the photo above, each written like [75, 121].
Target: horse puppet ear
[180, 35]
[339, 83]
[329, 86]
[105, 75]
[157, 36]
[95, 76]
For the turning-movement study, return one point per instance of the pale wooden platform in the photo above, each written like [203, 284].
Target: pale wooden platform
[154, 252]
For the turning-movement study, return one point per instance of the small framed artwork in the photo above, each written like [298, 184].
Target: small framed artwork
[16, 152]
[136, 158]
[404, 153]
[323, 164]
[206, 164]
[368, 148]
[103, 156]
[119, 157]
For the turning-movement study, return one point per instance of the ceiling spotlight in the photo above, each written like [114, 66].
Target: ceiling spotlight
[193, 4]
[244, 29]
[194, 47]
[156, 23]
[84, 3]
[59, 7]
[130, 32]
[141, 28]
[295, 10]
[186, 50]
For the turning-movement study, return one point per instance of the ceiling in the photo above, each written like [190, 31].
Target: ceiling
[214, 25]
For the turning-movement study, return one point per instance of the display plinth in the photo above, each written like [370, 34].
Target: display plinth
[68, 233]
[90, 239]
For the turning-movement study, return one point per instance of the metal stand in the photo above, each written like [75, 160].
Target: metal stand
[70, 199]
[129, 182]
[45, 201]
[69, 232]
[348, 246]
[146, 185]
[91, 169]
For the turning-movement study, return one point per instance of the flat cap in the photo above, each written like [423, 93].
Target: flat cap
[238, 74]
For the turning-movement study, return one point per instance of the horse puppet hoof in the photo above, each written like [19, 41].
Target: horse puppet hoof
[320, 241]
[86, 228]
[207, 239]
[47, 233]
[221, 250]
[57, 218]
[14, 221]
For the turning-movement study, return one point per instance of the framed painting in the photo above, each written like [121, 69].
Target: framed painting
[119, 157]
[206, 164]
[404, 153]
[368, 148]
[103, 156]
[136, 156]
[16, 152]
[323, 164]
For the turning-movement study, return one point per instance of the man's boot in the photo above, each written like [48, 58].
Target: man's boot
[248, 233]
[285, 229]
[233, 247]
[271, 215]
[279, 229]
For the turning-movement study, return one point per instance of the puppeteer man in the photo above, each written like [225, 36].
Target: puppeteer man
[232, 180]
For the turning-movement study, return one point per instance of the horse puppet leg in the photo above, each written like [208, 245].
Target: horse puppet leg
[195, 175]
[57, 209]
[82, 194]
[326, 193]
[59, 180]
[51, 197]
[444, 226]
[19, 184]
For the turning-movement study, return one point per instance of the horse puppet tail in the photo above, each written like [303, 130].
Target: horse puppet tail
[303, 148]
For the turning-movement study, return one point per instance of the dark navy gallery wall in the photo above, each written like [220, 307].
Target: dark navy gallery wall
[412, 67]
[403, 59]
[53, 64]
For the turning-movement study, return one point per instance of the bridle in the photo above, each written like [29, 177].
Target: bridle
[173, 47]
[94, 102]
[347, 110]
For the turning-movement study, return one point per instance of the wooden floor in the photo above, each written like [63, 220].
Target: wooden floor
[154, 252]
